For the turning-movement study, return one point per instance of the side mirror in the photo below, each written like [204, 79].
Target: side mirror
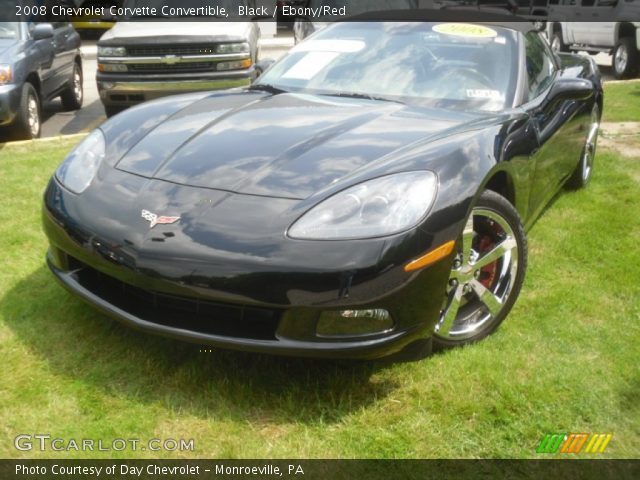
[571, 89]
[42, 31]
[263, 65]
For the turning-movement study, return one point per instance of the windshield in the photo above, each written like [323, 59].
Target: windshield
[182, 8]
[9, 30]
[442, 64]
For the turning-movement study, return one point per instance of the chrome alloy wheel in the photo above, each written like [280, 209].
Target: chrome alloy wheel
[482, 276]
[33, 115]
[590, 144]
[621, 58]
[77, 85]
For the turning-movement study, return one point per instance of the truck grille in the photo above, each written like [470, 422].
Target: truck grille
[186, 67]
[180, 50]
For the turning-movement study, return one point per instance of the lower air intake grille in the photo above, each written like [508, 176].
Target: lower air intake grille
[180, 312]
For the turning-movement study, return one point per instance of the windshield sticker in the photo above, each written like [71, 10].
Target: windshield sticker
[484, 93]
[465, 30]
[310, 65]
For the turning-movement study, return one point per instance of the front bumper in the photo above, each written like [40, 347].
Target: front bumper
[9, 103]
[127, 90]
[224, 301]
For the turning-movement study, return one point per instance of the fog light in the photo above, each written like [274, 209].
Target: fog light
[112, 67]
[350, 323]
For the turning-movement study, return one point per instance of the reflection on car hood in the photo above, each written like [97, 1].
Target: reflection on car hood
[287, 146]
[165, 32]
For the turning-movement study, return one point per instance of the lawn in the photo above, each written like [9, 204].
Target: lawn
[566, 359]
[622, 101]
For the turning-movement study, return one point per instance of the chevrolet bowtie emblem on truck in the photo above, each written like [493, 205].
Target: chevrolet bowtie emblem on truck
[154, 219]
[170, 59]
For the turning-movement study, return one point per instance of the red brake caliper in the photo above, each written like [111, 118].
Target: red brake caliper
[488, 272]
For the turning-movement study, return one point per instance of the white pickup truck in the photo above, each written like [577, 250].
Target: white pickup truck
[620, 39]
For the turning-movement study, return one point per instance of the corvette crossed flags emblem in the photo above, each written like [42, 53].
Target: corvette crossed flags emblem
[154, 219]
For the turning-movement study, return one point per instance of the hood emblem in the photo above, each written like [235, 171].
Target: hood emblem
[154, 219]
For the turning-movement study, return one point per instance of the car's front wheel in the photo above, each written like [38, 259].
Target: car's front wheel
[28, 121]
[486, 275]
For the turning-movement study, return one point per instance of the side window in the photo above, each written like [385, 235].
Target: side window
[540, 65]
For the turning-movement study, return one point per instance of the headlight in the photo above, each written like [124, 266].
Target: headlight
[376, 208]
[112, 51]
[79, 168]
[232, 48]
[6, 75]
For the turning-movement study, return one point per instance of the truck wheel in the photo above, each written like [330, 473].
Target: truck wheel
[73, 95]
[625, 58]
[557, 44]
[28, 121]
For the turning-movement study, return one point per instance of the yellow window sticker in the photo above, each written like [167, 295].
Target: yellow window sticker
[465, 30]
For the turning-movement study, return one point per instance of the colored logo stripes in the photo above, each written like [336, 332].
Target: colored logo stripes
[574, 443]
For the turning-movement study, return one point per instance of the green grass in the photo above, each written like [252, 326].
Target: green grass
[566, 359]
[622, 101]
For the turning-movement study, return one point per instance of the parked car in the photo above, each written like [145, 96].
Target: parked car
[90, 24]
[621, 39]
[369, 194]
[38, 62]
[140, 61]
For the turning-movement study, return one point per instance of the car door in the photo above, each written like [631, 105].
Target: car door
[64, 45]
[42, 52]
[557, 135]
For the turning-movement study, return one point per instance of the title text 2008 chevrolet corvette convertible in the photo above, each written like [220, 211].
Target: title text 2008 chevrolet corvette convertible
[368, 195]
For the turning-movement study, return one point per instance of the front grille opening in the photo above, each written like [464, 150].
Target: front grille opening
[192, 314]
[116, 97]
[186, 67]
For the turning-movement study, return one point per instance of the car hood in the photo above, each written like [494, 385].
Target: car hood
[5, 45]
[287, 145]
[172, 32]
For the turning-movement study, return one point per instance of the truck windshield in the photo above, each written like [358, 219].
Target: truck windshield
[174, 8]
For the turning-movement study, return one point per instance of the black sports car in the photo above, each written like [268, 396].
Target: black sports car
[368, 195]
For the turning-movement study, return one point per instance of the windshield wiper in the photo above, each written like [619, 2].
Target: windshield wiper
[265, 87]
[364, 96]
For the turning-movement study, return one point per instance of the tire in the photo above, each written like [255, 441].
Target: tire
[584, 170]
[73, 95]
[110, 110]
[28, 123]
[625, 59]
[465, 318]
[557, 44]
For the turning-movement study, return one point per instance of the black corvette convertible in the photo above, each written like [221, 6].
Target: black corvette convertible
[368, 195]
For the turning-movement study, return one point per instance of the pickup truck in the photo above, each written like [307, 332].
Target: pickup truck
[140, 61]
[619, 39]
[38, 61]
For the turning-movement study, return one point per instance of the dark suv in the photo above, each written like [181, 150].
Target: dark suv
[38, 62]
